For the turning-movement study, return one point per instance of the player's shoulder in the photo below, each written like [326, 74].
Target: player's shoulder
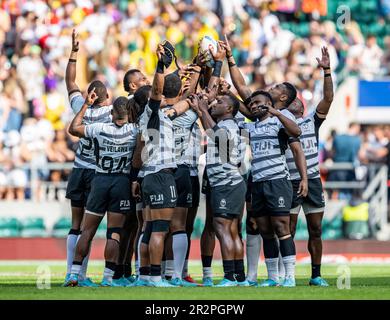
[287, 114]
[230, 123]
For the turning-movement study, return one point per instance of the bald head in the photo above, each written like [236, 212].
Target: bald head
[296, 108]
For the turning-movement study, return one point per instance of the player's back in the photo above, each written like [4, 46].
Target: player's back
[114, 146]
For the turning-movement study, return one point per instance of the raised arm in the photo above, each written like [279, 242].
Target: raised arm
[158, 80]
[194, 71]
[290, 126]
[70, 74]
[77, 128]
[324, 105]
[235, 73]
[218, 57]
[200, 106]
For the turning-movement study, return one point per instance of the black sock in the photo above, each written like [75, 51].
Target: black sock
[228, 269]
[271, 249]
[206, 261]
[110, 265]
[315, 271]
[127, 270]
[144, 271]
[287, 247]
[239, 270]
[155, 270]
[119, 269]
[188, 248]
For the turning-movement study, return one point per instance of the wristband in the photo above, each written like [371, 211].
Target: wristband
[174, 116]
[327, 75]
[72, 60]
[133, 174]
[231, 64]
[160, 67]
[75, 50]
[217, 69]
[327, 68]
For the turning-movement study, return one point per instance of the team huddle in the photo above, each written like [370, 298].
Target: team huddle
[138, 162]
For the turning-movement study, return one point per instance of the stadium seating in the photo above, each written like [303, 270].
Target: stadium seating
[33, 227]
[9, 227]
[62, 227]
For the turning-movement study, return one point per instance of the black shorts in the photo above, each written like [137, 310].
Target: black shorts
[228, 201]
[79, 185]
[183, 186]
[159, 190]
[313, 202]
[271, 197]
[139, 204]
[110, 192]
[205, 184]
[195, 191]
[248, 195]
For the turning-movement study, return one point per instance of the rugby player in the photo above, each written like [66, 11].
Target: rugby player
[313, 204]
[271, 190]
[159, 191]
[182, 125]
[133, 80]
[79, 183]
[110, 190]
[227, 187]
[283, 94]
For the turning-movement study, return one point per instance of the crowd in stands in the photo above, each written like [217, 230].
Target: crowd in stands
[35, 39]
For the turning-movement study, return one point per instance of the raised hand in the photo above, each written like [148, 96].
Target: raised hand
[92, 96]
[324, 63]
[189, 69]
[75, 42]
[223, 87]
[201, 59]
[227, 47]
[193, 101]
[220, 54]
[211, 93]
[160, 52]
[270, 110]
[203, 102]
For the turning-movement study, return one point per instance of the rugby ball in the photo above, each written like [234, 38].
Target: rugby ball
[206, 44]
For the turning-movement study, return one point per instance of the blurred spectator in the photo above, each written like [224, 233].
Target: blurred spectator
[30, 73]
[345, 149]
[366, 58]
[273, 41]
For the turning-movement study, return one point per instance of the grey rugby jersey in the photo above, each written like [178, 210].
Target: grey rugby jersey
[194, 150]
[182, 126]
[310, 126]
[157, 132]
[85, 154]
[268, 142]
[225, 154]
[114, 146]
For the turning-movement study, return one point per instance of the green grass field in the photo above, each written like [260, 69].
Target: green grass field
[19, 281]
